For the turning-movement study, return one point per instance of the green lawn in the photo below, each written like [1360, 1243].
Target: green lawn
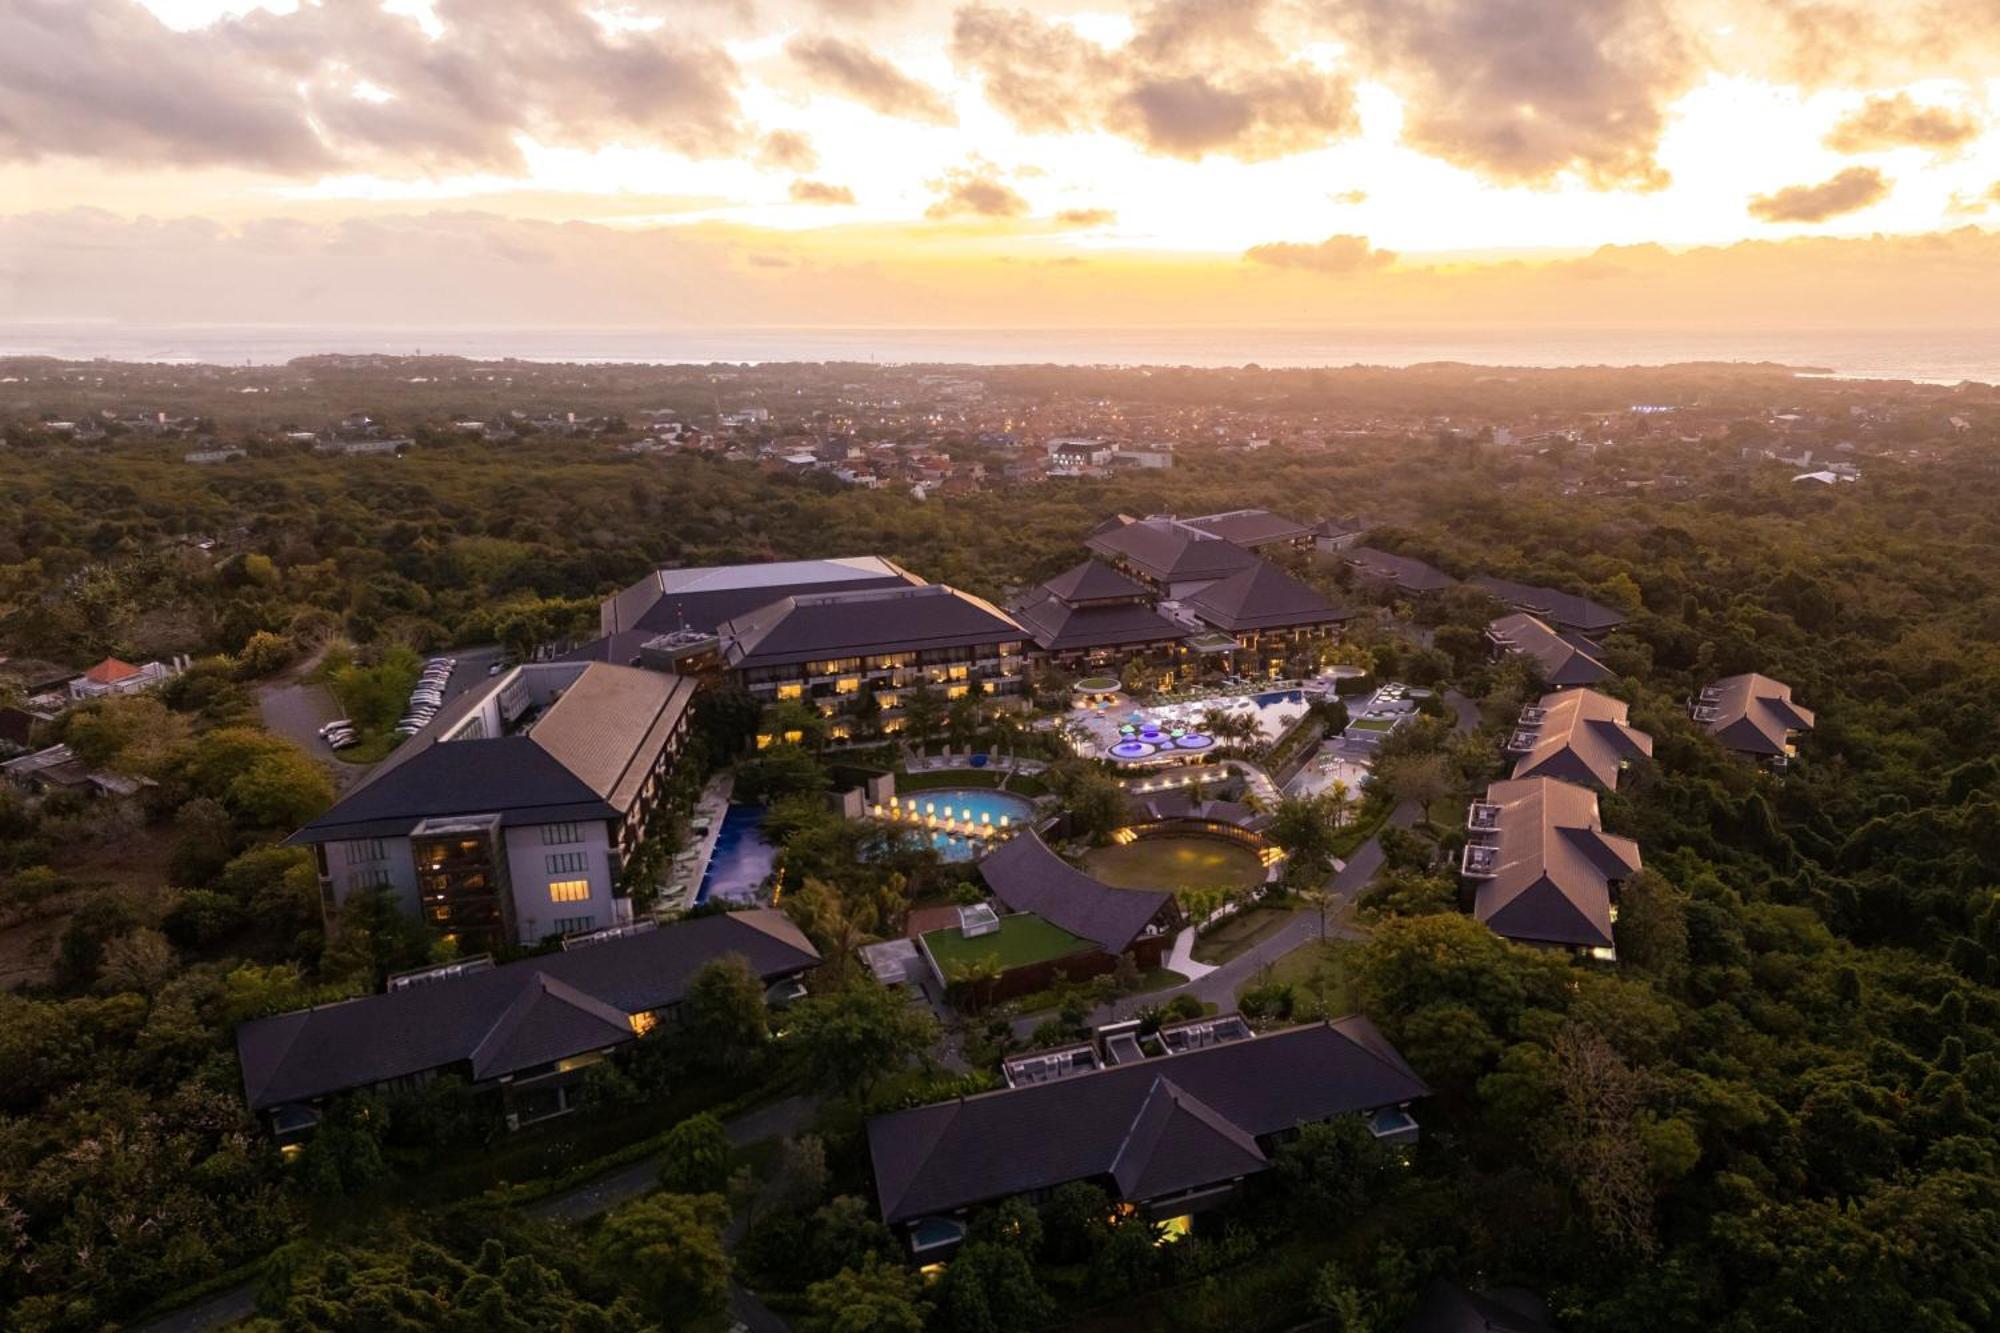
[1173, 861]
[1372, 724]
[1318, 970]
[1239, 932]
[1023, 938]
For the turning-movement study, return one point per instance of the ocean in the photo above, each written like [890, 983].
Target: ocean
[1945, 356]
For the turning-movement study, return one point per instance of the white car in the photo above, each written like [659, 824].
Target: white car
[338, 724]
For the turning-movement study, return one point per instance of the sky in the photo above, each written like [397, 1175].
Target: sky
[1004, 162]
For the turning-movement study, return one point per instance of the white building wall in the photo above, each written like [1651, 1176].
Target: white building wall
[361, 863]
[529, 858]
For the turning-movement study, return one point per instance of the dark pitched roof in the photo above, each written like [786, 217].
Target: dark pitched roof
[1173, 1123]
[849, 624]
[1583, 737]
[1446, 1307]
[1755, 714]
[1405, 572]
[1552, 883]
[702, 598]
[1564, 610]
[1262, 597]
[1168, 550]
[1024, 874]
[505, 1019]
[1561, 660]
[1252, 527]
[1092, 581]
[1057, 624]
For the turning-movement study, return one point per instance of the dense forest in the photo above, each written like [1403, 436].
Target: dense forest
[1777, 1113]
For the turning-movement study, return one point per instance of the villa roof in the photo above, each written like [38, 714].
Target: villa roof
[1562, 609]
[1405, 572]
[1056, 626]
[1168, 550]
[1093, 581]
[1154, 1128]
[110, 671]
[857, 624]
[1262, 596]
[1583, 737]
[1025, 875]
[1252, 527]
[1552, 883]
[701, 598]
[506, 1019]
[1561, 660]
[1755, 715]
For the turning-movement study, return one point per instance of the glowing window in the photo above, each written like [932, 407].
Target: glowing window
[569, 891]
[792, 691]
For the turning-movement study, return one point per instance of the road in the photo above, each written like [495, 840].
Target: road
[295, 706]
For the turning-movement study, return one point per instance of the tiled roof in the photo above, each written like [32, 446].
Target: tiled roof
[1405, 572]
[1560, 660]
[702, 598]
[1168, 550]
[505, 1019]
[1252, 527]
[1262, 597]
[1756, 715]
[849, 624]
[1562, 609]
[1059, 626]
[110, 671]
[1156, 1127]
[1583, 737]
[1092, 581]
[1024, 874]
[1552, 883]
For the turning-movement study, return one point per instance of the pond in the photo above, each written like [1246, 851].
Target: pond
[1176, 861]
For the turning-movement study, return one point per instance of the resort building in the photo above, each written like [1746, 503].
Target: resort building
[1272, 617]
[1026, 876]
[526, 1030]
[1753, 715]
[1257, 530]
[837, 651]
[1167, 1136]
[509, 818]
[1171, 556]
[1577, 736]
[1567, 612]
[1091, 617]
[1403, 573]
[1559, 659]
[1543, 868]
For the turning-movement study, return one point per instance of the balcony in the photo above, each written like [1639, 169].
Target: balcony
[1523, 740]
[1482, 861]
[1482, 817]
[1532, 716]
[1705, 712]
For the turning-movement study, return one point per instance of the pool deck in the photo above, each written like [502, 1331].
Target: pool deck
[682, 878]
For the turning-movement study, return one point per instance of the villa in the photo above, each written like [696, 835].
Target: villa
[1543, 867]
[1401, 572]
[113, 677]
[1167, 1136]
[1270, 615]
[1753, 715]
[510, 817]
[1092, 617]
[1171, 556]
[1559, 659]
[1577, 736]
[1568, 612]
[526, 1031]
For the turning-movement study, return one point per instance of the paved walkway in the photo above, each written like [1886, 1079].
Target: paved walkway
[1181, 959]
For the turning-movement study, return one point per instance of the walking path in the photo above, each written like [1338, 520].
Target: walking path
[1181, 958]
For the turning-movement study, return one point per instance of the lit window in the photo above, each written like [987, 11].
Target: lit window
[642, 1022]
[847, 685]
[957, 691]
[792, 691]
[569, 891]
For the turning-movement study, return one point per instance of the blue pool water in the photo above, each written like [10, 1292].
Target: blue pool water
[1280, 697]
[955, 809]
[742, 859]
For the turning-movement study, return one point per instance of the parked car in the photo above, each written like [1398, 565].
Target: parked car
[338, 724]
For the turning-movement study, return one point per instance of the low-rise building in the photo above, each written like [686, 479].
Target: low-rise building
[1559, 659]
[1404, 573]
[1092, 617]
[1567, 612]
[510, 817]
[1753, 715]
[1169, 555]
[111, 676]
[1578, 736]
[1272, 616]
[1027, 876]
[1544, 870]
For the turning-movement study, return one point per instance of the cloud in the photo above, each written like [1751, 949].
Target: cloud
[977, 192]
[1335, 254]
[1526, 91]
[1086, 217]
[856, 73]
[1883, 123]
[819, 192]
[1849, 192]
[1195, 79]
[787, 150]
[352, 86]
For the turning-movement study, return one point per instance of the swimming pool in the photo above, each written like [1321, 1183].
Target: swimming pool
[742, 859]
[961, 822]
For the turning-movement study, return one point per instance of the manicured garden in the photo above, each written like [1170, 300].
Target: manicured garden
[1022, 939]
[1176, 861]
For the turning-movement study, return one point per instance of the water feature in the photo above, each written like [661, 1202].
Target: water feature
[961, 822]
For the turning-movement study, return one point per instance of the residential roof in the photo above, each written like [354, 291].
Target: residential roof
[852, 624]
[1252, 527]
[505, 1019]
[1561, 660]
[586, 757]
[1405, 572]
[1562, 609]
[1446, 1307]
[1552, 883]
[1262, 596]
[1156, 1127]
[1583, 737]
[1024, 874]
[1755, 714]
[110, 671]
[701, 598]
[1093, 581]
[1168, 550]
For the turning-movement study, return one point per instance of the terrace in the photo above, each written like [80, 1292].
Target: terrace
[1482, 817]
[1020, 939]
[1482, 861]
[1048, 1066]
